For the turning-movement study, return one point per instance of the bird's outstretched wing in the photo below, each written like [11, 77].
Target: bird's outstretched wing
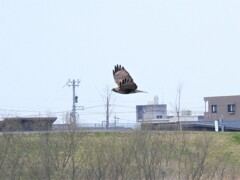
[123, 79]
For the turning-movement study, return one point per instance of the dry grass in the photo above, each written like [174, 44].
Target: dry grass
[135, 155]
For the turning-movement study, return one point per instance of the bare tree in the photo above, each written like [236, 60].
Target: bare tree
[178, 104]
[107, 97]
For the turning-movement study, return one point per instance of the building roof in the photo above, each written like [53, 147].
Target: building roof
[231, 96]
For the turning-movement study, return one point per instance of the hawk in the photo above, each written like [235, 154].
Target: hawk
[124, 81]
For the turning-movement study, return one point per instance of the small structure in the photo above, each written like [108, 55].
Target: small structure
[27, 124]
[222, 107]
[153, 112]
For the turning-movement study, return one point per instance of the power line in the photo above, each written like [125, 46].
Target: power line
[93, 107]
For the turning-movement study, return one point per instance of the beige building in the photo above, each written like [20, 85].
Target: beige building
[222, 107]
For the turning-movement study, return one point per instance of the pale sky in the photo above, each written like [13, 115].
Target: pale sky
[162, 43]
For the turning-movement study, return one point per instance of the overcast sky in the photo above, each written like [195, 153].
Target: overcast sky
[162, 43]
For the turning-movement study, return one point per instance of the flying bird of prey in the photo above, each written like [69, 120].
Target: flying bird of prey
[124, 81]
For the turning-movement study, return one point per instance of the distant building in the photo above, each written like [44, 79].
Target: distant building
[151, 112]
[27, 124]
[222, 107]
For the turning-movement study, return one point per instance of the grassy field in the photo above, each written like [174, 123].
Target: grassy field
[132, 155]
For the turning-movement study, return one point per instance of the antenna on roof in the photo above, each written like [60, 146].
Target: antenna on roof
[156, 100]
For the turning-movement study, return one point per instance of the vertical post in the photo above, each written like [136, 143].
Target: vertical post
[205, 106]
[216, 125]
[115, 120]
[221, 123]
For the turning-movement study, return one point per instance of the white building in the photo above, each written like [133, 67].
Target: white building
[153, 112]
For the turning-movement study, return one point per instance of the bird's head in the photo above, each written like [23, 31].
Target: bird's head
[114, 89]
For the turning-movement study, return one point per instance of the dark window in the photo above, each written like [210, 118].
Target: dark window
[159, 116]
[214, 108]
[231, 107]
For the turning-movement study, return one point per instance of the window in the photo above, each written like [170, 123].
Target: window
[231, 108]
[214, 108]
[159, 116]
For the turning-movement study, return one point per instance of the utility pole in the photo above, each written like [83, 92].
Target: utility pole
[73, 84]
